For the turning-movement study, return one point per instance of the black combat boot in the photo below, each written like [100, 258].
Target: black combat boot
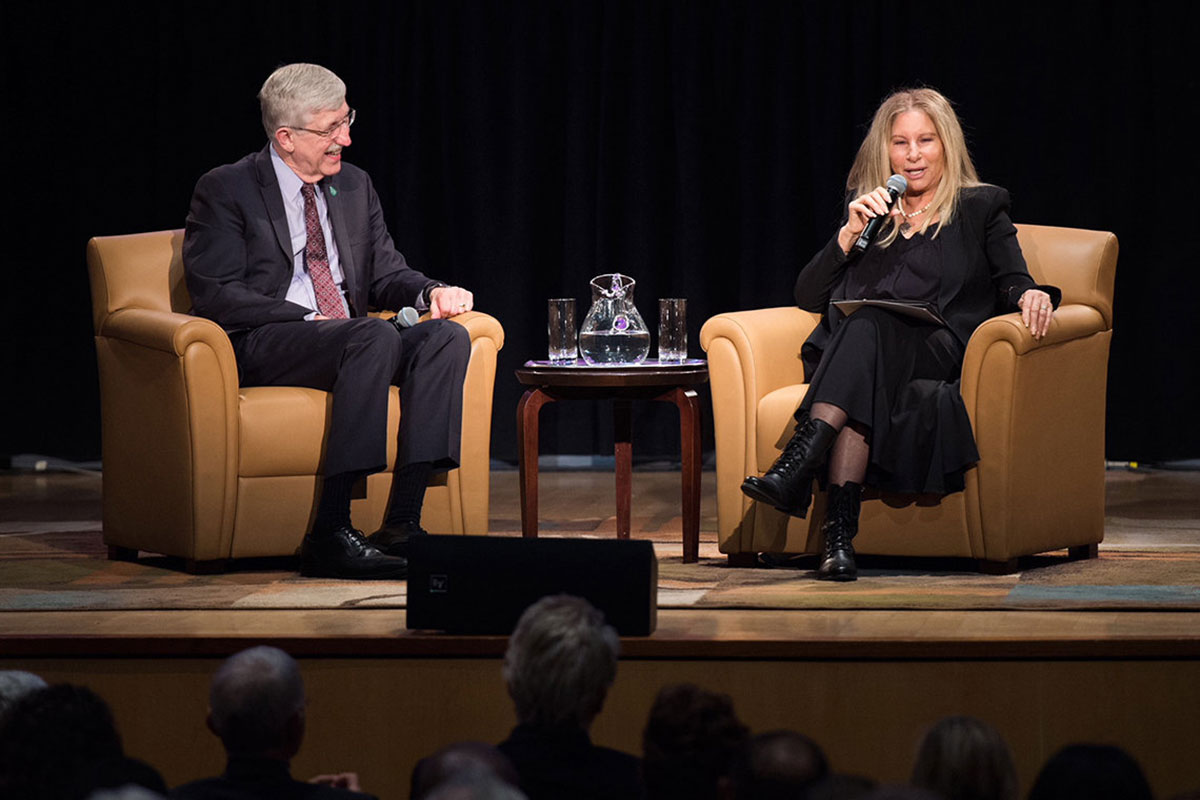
[787, 485]
[841, 523]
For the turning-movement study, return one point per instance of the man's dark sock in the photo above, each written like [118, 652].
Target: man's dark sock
[408, 493]
[333, 510]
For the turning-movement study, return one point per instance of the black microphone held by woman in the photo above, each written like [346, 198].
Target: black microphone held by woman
[896, 186]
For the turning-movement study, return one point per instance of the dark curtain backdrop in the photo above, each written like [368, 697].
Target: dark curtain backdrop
[520, 148]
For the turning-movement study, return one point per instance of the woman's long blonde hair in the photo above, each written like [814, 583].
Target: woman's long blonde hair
[873, 165]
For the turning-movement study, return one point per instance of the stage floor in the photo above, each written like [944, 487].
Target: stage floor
[1147, 510]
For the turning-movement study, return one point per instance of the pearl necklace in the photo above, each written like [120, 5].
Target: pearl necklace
[905, 227]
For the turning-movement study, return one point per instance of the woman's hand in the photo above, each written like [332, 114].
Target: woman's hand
[861, 211]
[1036, 311]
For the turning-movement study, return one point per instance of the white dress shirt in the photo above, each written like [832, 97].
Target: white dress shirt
[301, 291]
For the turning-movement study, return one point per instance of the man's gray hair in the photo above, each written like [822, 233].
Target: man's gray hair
[253, 696]
[15, 684]
[560, 661]
[295, 92]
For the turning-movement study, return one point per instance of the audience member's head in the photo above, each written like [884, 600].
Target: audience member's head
[560, 662]
[54, 742]
[475, 787]
[15, 684]
[1091, 772]
[963, 758]
[777, 765]
[690, 741]
[461, 761]
[256, 704]
[130, 792]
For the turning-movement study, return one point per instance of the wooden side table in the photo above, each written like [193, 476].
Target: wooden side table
[668, 383]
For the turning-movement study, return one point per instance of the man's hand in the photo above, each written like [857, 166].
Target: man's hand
[449, 301]
[340, 780]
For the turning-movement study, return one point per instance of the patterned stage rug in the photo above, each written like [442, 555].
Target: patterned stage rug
[67, 571]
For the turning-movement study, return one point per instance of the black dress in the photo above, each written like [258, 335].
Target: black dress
[895, 375]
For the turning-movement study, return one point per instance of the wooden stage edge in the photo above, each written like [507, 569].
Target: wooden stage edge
[682, 634]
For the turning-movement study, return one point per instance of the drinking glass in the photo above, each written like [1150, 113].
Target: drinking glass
[672, 330]
[561, 329]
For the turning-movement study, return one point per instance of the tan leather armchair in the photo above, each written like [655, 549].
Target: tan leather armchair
[1037, 409]
[198, 467]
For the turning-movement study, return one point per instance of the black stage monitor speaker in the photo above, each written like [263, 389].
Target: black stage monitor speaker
[481, 584]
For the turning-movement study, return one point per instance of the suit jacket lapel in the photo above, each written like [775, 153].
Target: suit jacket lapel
[337, 219]
[269, 185]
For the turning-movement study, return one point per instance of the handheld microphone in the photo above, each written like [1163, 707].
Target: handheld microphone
[896, 186]
[406, 318]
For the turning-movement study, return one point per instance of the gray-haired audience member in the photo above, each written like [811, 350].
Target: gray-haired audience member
[1091, 772]
[561, 661]
[690, 742]
[778, 765]
[463, 762]
[964, 758]
[256, 707]
[15, 684]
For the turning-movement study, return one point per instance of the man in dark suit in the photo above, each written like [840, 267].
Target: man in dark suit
[287, 250]
[256, 707]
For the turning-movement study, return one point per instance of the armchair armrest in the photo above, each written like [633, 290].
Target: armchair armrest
[1037, 408]
[167, 331]
[471, 480]
[169, 400]
[480, 326]
[765, 342]
[750, 353]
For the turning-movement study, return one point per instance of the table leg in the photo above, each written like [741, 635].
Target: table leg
[623, 450]
[528, 414]
[689, 450]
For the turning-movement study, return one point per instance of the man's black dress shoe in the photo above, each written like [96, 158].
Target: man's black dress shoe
[345, 553]
[393, 539]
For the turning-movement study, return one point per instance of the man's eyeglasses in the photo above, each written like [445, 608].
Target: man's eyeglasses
[345, 122]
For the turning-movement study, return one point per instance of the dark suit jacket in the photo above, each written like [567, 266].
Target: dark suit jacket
[984, 271]
[260, 779]
[237, 252]
[556, 765]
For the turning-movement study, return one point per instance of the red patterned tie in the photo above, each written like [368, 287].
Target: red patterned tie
[329, 298]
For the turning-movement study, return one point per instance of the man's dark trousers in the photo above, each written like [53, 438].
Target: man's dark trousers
[356, 360]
